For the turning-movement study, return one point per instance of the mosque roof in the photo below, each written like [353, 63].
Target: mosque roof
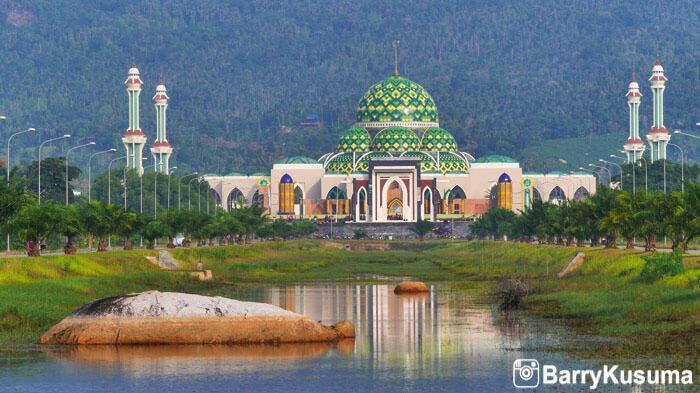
[438, 139]
[355, 139]
[494, 158]
[395, 139]
[297, 160]
[397, 101]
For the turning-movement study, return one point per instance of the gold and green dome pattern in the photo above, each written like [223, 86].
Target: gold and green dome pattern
[342, 163]
[438, 139]
[452, 163]
[397, 100]
[356, 140]
[395, 140]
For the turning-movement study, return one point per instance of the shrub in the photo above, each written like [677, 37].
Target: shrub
[659, 265]
[360, 234]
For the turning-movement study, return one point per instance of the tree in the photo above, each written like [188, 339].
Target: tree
[422, 228]
[152, 231]
[35, 223]
[53, 178]
[127, 225]
[70, 226]
[96, 218]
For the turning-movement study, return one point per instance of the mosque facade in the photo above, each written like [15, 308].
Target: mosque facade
[396, 163]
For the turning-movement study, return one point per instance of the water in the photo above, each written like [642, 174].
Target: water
[442, 341]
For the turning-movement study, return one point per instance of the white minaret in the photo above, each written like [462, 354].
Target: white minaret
[161, 149]
[134, 140]
[658, 136]
[634, 145]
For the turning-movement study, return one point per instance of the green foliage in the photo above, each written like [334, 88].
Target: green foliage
[422, 228]
[660, 265]
[53, 178]
[359, 234]
[36, 222]
[496, 222]
[489, 69]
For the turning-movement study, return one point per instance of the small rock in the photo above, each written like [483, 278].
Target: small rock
[166, 261]
[411, 287]
[574, 264]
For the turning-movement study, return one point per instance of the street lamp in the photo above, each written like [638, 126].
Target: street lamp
[141, 177]
[170, 173]
[602, 167]
[622, 187]
[686, 134]
[682, 164]
[634, 181]
[109, 179]
[189, 192]
[90, 170]
[8, 148]
[588, 170]
[67, 154]
[178, 187]
[40, 146]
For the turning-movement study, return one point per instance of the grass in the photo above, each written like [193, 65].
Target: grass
[604, 297]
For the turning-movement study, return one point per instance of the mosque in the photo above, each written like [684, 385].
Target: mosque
[396, 163]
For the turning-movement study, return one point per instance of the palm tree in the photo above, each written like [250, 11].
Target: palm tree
[36, 222]
[70, 227]
[96, 218]
[652, 208]
[152, 230]
[127, 225]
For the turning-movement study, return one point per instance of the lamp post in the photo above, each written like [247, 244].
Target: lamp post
[141, 208]
[40, 146]
[682, 164]
[189, 192]
[622, 187]
[8, 166]
[634, 181]
[170, 172]
[199, 196]
[109, 179]
[679, 132]
[67, 154]
[602, 167]
[155, 191]
[90, 170]
[178, 187]
[646, 177]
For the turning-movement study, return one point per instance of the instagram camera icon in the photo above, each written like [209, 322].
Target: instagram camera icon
[526, 373]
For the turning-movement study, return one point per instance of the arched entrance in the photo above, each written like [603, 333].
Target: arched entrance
[361, 205]
[581, 194]
[336, 201]
[455, 200]
[235, 199]
[298, 201]
[557, 196]
[428, 205]
[395, 202]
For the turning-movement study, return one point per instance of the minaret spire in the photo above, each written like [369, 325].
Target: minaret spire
[134, 140]
[634, 147]
[161, 149]
[395, 44]
[658, 137]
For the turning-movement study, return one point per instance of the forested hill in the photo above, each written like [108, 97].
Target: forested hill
[504, 74]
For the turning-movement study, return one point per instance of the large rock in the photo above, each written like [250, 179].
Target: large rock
[166, 261]
[411, 287]
[178, 318]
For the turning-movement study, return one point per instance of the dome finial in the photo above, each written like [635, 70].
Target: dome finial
[133, 59]
[657, 54]
[161, 75]
[634, 76]
[395, 44]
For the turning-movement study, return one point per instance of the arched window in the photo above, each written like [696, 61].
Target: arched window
[215, 196]
[536, 194]
[427, 201]
[258, 199]
[298, 195]
[286, 191]
[336, 193]
[581, 194]
[362, 202]
[235, 199]
[557, 196]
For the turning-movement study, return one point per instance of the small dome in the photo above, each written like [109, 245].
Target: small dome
[397, 101]
[494, 158]
[286, 179]
[342, 163]
[356, 140]
[297, 160]
[395, 140]
[438, 139]
[504, 178]
[451, 163]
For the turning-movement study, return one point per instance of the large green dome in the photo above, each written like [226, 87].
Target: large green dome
[397, 101]
[395, 140]
[356, 139]
[438, 139]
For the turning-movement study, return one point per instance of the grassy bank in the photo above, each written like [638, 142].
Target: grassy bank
[605, 297]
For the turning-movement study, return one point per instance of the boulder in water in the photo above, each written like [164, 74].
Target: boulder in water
[178, 318]
[411, 287]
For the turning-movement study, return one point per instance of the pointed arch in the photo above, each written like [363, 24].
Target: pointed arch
[428, 204]
[536, 196]
[216, 197]
[581, 194]
[235, 199]
[361, 205]
[336, 193]
[557, 196]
